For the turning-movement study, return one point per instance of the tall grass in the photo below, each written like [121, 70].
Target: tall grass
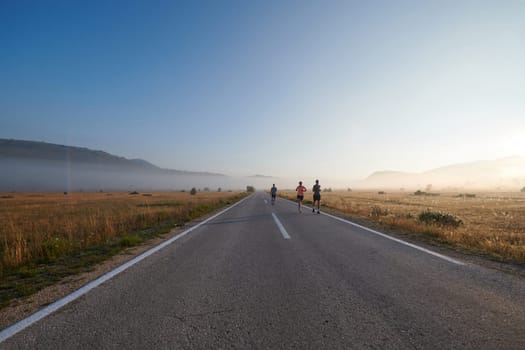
[41, 228]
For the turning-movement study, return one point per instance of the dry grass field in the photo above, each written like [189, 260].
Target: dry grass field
[46, 236]
[491, 224]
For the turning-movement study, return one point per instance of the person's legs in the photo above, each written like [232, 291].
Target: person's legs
[315, 199]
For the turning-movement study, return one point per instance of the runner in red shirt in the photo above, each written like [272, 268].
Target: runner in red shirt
[300, 194]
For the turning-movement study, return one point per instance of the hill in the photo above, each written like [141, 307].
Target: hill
[498, 174]
[41, 166]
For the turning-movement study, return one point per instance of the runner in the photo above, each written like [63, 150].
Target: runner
[300, 194]
[317, 196]
[273, 191]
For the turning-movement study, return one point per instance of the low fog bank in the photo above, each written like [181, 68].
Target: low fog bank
[22, 176]
[37, 176]
[441, 184]
[16, 175]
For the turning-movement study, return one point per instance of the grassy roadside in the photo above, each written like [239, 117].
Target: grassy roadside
[485, 224]
[47, 237]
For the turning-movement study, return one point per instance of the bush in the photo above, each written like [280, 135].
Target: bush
[378, 211]
[134, 192]
[130, 241]
[422, 193]
[466, 195]
[437, 218]
[523, 189]
[193, 191]
[250, 189]
[54, 248]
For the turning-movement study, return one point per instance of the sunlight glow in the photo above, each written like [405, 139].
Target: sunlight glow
[513, 144]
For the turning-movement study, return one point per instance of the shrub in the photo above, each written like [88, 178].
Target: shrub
[421, 193]
[466, 195]
[134, 192]
[130, 241]
[53, 248]
[437, 218]
[378, 211]
[193, 191]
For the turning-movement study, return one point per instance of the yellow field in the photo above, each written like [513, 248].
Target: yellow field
[492, 223]
[38, 227]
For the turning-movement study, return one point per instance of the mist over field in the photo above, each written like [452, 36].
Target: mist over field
[39, 166]
[45, 176]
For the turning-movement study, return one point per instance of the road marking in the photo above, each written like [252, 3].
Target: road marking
[37, 316]
[441, 256]
[265, 201]
[281, 227]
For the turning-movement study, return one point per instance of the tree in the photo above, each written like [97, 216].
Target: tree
[250, 189]
[193, 191]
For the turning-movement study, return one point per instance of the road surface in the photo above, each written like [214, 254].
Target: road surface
[268, 277]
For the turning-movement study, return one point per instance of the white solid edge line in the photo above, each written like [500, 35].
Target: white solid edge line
[441, 256]
[281, 227]
[26, 322]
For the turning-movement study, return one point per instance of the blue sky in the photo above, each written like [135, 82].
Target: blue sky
[329, 89]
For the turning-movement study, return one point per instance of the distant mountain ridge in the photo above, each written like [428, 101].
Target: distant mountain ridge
[41, 166]
[33, 151]
[498, 173]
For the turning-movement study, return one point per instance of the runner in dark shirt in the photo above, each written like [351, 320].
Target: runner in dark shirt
[273, 192]
[317, 196]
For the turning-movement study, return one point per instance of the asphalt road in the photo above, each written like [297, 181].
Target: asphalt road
[241, 281]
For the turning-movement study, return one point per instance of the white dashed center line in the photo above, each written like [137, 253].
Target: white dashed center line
[281, 227]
